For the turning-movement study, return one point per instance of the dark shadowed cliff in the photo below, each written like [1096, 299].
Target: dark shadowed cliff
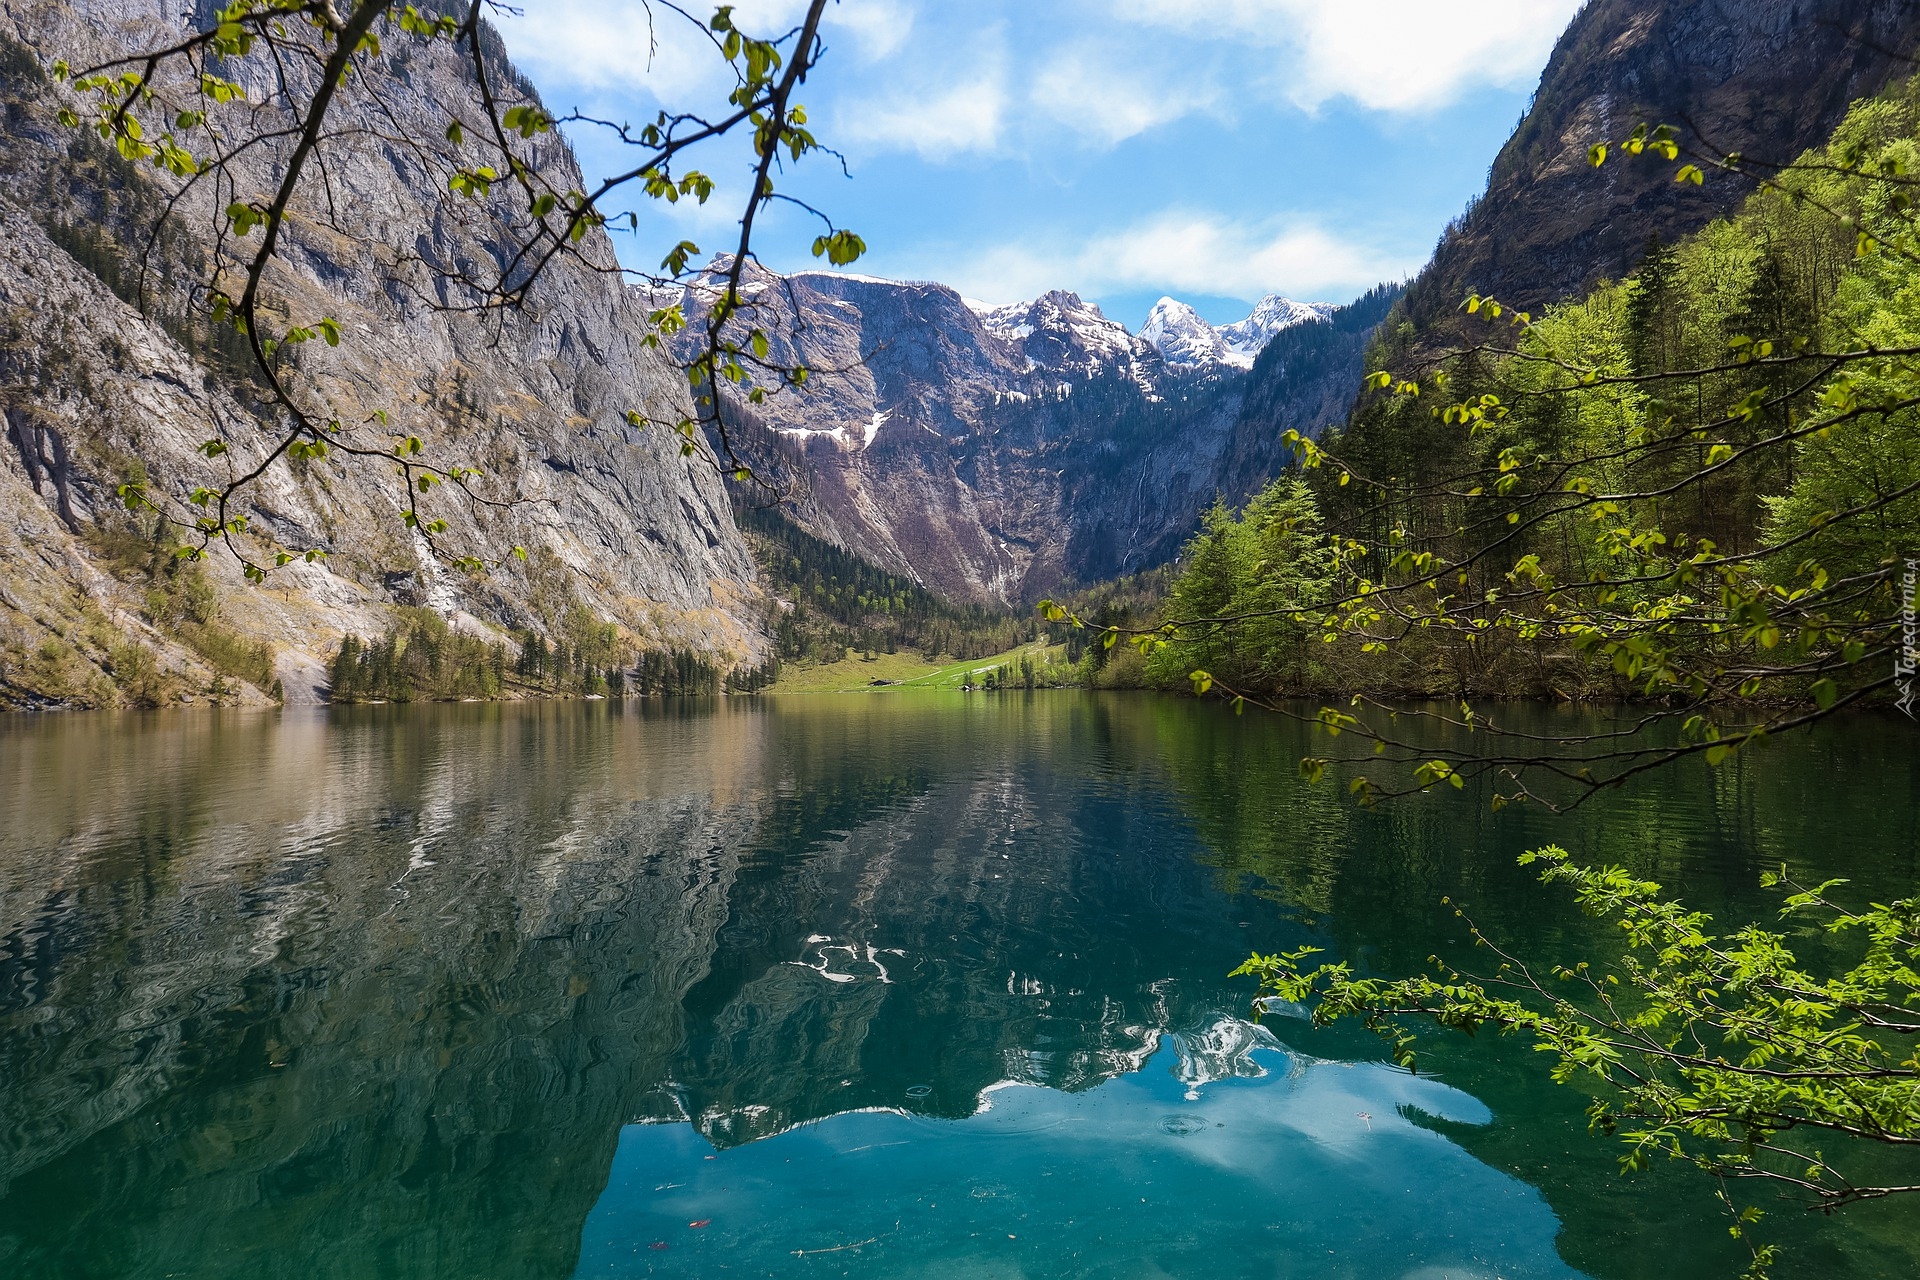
[1764, 78]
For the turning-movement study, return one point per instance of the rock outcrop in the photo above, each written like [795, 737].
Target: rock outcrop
[100, 391]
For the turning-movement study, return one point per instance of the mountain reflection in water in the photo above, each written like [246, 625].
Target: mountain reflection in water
[1307, 1168]
[525, 990]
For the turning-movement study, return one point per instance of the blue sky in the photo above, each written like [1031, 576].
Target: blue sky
[1215, 150]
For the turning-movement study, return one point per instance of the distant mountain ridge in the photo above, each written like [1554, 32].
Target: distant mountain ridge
[996, 453]
[1058, 332]
[1184, 339]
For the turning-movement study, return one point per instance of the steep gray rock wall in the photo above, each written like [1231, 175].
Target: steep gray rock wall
[612, 516]
[903, 446]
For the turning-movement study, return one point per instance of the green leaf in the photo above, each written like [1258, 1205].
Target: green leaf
[840, 248]
[526, 120]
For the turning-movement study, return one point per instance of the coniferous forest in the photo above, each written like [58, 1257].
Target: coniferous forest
[828, 600]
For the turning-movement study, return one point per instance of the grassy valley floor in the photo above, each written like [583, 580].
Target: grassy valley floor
[856, 672]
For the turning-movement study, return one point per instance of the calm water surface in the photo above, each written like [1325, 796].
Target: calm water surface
[863, 985]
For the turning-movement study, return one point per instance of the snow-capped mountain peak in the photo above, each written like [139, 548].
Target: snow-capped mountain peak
[1181, 336]
[1061, 331]
[1185, 340]
[1247, 337]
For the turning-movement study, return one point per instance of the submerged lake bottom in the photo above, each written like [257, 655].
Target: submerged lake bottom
[867, 985]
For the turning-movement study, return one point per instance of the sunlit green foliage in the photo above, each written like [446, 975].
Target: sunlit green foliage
[1722, 1049]
[1698, 482]
[1698, 488]
[1701, 488]
[586, 656]
[1257, 575]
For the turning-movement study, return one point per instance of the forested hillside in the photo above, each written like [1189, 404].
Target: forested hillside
[1304, 380]
[1697, 483]
[827, 601]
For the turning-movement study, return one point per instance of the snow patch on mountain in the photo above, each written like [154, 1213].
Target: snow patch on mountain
[1248, 337]
[1060, 330]
[1186, 341]
[854, 276]
[840, 435]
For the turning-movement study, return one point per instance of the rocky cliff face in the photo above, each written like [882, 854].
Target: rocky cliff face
[1765, 78]
[99, 391]
[998, 453]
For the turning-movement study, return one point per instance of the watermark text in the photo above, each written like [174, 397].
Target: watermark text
[1907, 657]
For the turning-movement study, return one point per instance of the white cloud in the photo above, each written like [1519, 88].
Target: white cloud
[620, 47]
[628, 46]
[1184, 252]
[1123, 67]
[942, 81]
[954, 105]
[954, 101]
[1101, 93]
[1388, 55]
[935, 123]
[880, 28]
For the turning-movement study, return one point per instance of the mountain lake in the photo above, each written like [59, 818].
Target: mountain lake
[898, 984]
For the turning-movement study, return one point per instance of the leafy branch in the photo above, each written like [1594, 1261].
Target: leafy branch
[1724, 1050]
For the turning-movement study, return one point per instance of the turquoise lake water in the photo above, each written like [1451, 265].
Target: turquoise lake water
[888, 985]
